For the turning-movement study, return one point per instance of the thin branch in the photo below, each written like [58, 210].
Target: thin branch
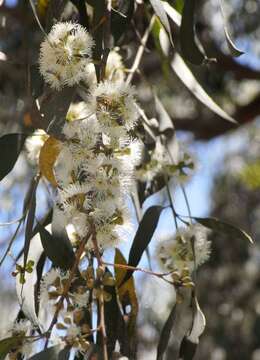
[140, 51]
[10, 244]
[13, 221]
[149, 272]
[186, 201]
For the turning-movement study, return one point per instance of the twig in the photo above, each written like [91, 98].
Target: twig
[59, 305]
[102, 324]
[140, 51]
[149, 272]
[186, 202]
[10, 244]
[13, 221]
[192, 240]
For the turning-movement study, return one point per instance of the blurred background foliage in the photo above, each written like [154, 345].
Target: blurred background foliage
[227, 183]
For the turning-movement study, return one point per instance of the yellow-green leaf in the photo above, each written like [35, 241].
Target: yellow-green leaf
[48, 155]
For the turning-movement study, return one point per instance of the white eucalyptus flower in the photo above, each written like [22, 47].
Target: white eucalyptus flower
[176, 253]
[48, 281]
[114, 105]
[64, 54]
[161, 164]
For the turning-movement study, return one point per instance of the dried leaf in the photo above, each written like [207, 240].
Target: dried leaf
[6, 345]
[126, 292]
[127, 296]
[48, 156]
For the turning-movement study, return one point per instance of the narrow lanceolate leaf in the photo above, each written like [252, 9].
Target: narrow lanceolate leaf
[190, 47]
[224, 227]
[165, 335]
[177, 326]
[48, 156]
[115, 323]
[26, 292]
[10, 148]
[30, 221]
[190, 342]
[6, 345]
[172, 13]
[234, 51]
[160, 12]
[183, 72]
[57, 248]
[53, 353]
[186, 76]
[143, 237]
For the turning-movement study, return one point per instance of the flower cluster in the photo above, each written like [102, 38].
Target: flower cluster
[95, 166]
[94, 169]
[187, 249]
[65, 54]
[161, 164]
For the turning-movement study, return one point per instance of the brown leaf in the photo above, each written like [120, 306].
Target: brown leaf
[48, 155]
[126, 292]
